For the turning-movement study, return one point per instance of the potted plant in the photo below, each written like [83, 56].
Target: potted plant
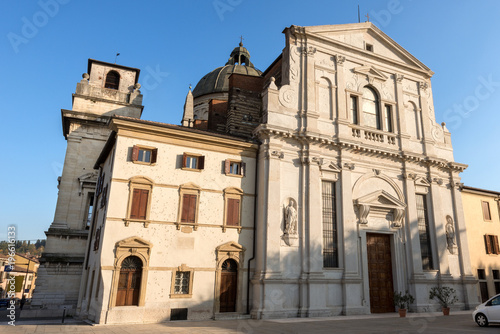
[445, 296]
[403, 302]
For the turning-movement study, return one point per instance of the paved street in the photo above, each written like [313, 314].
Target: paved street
[459, 322]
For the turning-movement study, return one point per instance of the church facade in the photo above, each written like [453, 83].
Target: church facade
[315, 188]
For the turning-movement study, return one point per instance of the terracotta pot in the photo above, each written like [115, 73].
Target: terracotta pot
[446, 311]
[402, 312]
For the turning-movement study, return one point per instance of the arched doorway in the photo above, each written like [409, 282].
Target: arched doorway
[228, 286]
[129, 283]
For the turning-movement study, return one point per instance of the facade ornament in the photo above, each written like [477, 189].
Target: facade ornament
[340, 60]
[137, 88]
[411, 176]
[399, 78]
[458, 185]
[348, 166]
[287, 95]
[317, 160]
[85, 78]
[423, 85]
[398, 217]
[278, 154]
[290, 235]
[364, 211]
[450, 235]
[376, 171]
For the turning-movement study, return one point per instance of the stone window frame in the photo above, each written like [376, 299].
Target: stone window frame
[227, 167]
[484, 211]
[232, 193]
[139, 182]
[191, 189]
[200, 163]
[182, 268]
[133, 246]
[153, 157]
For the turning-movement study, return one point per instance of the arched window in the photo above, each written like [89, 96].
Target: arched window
[371, 113]
[228, 286]
[129, 283]
[112, 80]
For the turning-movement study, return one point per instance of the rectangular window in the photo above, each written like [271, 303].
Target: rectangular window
[388, 118]
[192, 161]
[483, 285]
[423, 230]
[330, 250]
[491, 243]
[89, 211]
[354, 109]
[233, 212]
[146, 155]
[232, 167]
[139, 204]
[496, 280]
[188, 208]
[369, 47]
[486, 210]
[181, 286]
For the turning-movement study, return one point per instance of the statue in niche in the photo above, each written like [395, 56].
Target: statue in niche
[290, 218]
[450, 234]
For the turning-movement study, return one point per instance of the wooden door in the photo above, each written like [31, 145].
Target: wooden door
[228, 286]
[129, 283]
[380, 273]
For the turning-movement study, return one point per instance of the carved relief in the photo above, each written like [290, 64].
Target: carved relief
[290, 234]
[380, 201]
[340, 60]
[352, 81]
[450, 235]
[288, 97]
[437, 133]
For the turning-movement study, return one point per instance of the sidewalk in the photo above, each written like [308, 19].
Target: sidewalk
[459, 322]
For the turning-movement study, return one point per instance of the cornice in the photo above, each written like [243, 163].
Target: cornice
[264, 130]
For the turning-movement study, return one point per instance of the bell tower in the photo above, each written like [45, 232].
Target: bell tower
[105, 90]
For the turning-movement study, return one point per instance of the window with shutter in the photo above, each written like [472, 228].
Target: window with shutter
[233, 167]
[494, 240]
[188, 208]
[139, 204]
[144, 155]
[233, 212]
[486, 210]
[193, 161]
[487, 242]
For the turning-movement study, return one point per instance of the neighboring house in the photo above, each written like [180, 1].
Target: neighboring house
[482, 217]
[3, 275]
[29, 265]
[315, 188]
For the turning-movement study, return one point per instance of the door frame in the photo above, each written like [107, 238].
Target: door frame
[398, 262]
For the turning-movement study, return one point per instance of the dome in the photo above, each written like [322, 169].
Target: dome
[217, 81]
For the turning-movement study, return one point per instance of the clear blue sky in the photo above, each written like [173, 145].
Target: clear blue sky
[45, 48]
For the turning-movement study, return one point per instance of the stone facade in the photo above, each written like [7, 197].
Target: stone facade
[163, 241]
[482, 219]
[312, 137]
[345, 184]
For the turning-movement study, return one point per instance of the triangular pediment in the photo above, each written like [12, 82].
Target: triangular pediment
[331, 166]
[231, 247]
[356, 36]
[88, 177]
[381, 198]
[134, 242]
[371, 72]
[420, 181]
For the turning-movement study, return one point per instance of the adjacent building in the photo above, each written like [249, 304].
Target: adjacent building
[317, 187]
[482, 218]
